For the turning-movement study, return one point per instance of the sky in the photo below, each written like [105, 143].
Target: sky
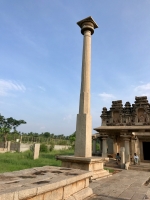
[41, 58]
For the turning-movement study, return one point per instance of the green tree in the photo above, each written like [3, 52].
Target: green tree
[72, 139]
[8, 124]
[46, 134]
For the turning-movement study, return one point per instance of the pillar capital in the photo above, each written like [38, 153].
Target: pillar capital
[103, 135]
[87, 24]
[125, 135]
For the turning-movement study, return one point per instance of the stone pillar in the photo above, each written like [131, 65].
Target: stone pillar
[115, 147]
[100, 142]
[36, 151]
[8, 146]
[94, 147]
[84, 122]
[104, 147]
[127, 149]
[122, 154]
[82, 157]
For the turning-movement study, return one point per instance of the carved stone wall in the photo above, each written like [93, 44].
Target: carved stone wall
[137, 114]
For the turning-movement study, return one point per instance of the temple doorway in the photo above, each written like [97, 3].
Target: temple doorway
[146, 150]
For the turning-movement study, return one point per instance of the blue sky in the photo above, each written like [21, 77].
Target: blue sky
[41, 56]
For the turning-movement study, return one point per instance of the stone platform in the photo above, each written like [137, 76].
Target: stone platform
[45, 183]
[125, 185]
[93, 164]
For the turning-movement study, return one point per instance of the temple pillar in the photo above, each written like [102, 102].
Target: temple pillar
[115, 147]
[126, 143]
[127, 149]
[94, 146]
[122, 154]
[104, 146]
[100, 143]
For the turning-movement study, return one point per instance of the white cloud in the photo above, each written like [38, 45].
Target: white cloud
[7, 86]
[142, 88]
[67, 118]
[41, 88]
[106, 96]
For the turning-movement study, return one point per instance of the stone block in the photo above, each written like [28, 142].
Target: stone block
[54, 195]
[83, 194]
[6, 196]
[70, 189]
[27, 193]
[80, 185]
[39, 197]
[36, 151]
[70, 198]
[87, 182]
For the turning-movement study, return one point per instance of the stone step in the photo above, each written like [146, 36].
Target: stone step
[112, 163]
[100, 174]
[140, 167]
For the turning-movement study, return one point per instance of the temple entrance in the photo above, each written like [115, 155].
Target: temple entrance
[146, 150]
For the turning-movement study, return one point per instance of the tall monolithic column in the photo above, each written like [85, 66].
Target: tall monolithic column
[83, 143]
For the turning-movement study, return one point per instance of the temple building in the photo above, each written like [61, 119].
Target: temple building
[125, 126]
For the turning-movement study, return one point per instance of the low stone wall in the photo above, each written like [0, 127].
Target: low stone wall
[45, 183]
[24, 147]
[21, 147]
[15, 146]
[3, 150]
[60, 147]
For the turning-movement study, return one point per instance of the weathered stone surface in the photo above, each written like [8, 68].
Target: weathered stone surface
[43, 183]
[83, 194]
[55, 194]
[123, 185]
[93, 164]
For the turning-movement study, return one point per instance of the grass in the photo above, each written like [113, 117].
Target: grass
[110, 170]
[24, 160]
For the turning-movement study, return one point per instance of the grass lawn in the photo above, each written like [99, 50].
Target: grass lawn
[17, 161]
[110, 170]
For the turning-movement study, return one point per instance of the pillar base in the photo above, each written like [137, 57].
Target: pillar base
[94, 164]
[104, 155]
[122, 166]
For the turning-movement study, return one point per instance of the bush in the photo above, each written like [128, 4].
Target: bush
[43, 148]
[32, 148]
[51, 147]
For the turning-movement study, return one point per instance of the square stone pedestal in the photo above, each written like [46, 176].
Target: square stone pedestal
[93, 164]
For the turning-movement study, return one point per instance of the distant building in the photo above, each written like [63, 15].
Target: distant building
[125, 126]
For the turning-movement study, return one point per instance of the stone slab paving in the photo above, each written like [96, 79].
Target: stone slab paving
[125, 185]
[45, 183]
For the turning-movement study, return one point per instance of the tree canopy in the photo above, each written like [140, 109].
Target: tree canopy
[8, 124]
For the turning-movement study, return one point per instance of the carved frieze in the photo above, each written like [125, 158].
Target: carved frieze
[137, 114]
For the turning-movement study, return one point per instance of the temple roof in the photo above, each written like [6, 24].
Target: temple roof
[121, 128]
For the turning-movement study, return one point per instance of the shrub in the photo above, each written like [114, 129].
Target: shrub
[43, 148]
[32, 148]
[51, 147]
